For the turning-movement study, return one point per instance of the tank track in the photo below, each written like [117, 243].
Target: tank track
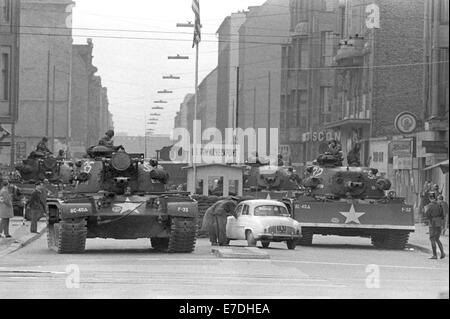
[183, 235]
[395, 240]
[67, 237]
[307, 238]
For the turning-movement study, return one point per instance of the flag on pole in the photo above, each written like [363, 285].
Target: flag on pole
[197, 27]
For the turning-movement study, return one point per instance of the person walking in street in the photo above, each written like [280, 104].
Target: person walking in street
[444, 206]
[6, 209]
[38, 205]
[435, 216]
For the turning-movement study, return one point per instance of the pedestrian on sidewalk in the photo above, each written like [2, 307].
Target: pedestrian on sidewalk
[6, 209]
[444, 205]
[37, 205]
[435, 216]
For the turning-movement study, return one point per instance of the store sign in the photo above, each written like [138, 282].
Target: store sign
[402, 148]
[406, 122]
[321, 136]
[379, 155]
[435, 147]
[402, 162]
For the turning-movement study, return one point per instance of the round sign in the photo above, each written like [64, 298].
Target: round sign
[406, 122]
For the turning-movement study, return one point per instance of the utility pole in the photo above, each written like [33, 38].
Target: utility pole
[53, 108]
[268, 114]
[47, 102]
[237, 97]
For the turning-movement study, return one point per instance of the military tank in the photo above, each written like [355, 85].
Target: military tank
[118, 195]
[351, 201]
[38, 167]
[276, 182]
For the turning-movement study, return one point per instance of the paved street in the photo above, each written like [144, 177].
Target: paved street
[334, 267]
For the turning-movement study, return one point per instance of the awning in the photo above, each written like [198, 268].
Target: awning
[443, 166]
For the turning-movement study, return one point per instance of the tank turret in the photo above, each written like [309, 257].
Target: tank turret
[39, 168]
[118, 172]
[272, 178]
[345, 182]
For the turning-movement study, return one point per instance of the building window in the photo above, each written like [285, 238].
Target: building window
[325, 104]
[329, 5]
[303, 54]
[443, 82]
[5, 74]
[283, 115]
[327, 43]
[342, 21]
[6, 11]
[302, 104]
[303, 10]
[443, 11]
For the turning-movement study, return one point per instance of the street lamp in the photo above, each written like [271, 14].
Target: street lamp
[189, 24]
[171, 77]
[178, 57]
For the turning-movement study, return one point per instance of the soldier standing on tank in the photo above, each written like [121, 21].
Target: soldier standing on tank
[42, 146]
[435, 216]
[37, 205]
[353, 157]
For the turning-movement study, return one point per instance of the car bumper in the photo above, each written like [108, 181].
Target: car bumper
[279, 237]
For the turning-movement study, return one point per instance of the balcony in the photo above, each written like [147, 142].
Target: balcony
[352, 51]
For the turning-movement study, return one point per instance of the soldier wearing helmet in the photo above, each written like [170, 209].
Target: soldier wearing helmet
[42, 147]
[107, 141]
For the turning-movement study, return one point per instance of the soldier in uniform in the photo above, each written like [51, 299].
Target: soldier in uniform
[107, 141]
[216, 220]
[353, 157]
[435, 215]
[42, 146]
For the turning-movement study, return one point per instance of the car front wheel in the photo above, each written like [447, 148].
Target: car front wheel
[251, 241]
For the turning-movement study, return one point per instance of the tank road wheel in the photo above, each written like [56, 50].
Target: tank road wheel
[396, 239]
[160, 244]
[291, 244]
[307, 238]
[67, 237]
[251, 241]
[265, 244]
[183, 235]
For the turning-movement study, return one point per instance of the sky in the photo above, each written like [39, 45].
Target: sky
[132, 69]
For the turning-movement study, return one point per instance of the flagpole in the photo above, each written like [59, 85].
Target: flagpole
[194, 155]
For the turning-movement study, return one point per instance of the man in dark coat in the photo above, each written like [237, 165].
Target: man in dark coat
[38, 205]
[42, 146]
[217, 216]
[353, 156]
[435, 216]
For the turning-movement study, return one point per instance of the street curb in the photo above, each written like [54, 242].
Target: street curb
[28, 240]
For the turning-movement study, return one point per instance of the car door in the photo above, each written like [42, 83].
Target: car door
[242, 222]
[232, 223]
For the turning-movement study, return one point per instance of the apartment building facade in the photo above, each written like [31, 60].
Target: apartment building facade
[9, 79]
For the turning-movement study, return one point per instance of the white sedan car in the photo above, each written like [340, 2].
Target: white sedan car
[263, 220]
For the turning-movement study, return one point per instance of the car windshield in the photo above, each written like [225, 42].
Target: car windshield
[271, 210]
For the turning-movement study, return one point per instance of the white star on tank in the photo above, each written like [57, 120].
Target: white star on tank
[352, 215]
[128, 206]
